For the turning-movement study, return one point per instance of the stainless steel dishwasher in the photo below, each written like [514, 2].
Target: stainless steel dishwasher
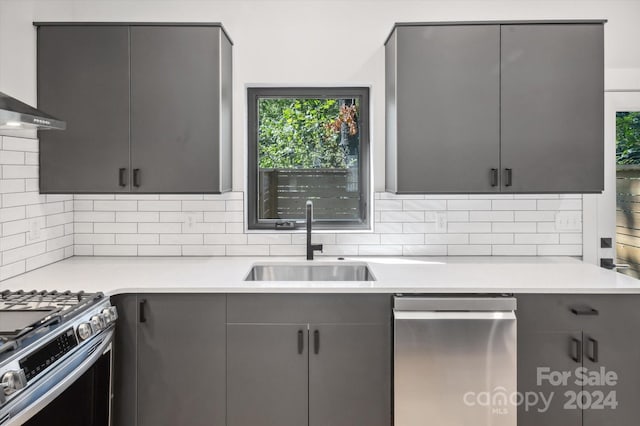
[455, 361]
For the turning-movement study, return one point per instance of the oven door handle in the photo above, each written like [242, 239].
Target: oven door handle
[32, 399]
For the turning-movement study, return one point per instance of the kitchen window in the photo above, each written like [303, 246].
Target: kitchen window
[308, 144]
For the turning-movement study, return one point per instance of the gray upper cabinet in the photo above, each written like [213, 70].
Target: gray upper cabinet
[148, 108]
[176, 90]
[83, 76]
[443, 109]
[552, 105]
[495, 107]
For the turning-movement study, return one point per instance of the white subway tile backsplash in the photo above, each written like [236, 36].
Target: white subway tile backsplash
[394, 205]
[535, 216]
[12, 213]
[12, 185]
[115, 228]
[424, 204]
[376, 250]
[537, 239]
[513, 204]
[560, 250]
[132, 239]
[24, 252]
[11, 157]
[404, 216]
[561, 204]
[19, 172]
[225, 239]
[269, 239]
[469, 204]
[138, 217]
[117, 205]
[469, 250]
[159, 228]
[206, 206]
[115, 250]
[160, 250]
[179, 239]
[424, 250]
[85, 239]
[160, 206]
[287, 250]
[469, 227]
[513, 227]
[204, 250]
[491, 216]
[41, 229]
[513, 250]
[358, 239]
[12, 143]
[21, 199]
[491, 238]
[438, 239]
[94, 216]
[248, 250]
[399, 239]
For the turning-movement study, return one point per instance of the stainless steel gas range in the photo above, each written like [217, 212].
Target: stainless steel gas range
[55, 358]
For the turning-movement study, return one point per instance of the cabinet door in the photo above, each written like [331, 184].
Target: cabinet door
[448, 122]
[350, 375]
[552, 106]
[554, 351]
[83, 78]
[175, 106]
[124, 360]
[612, 344]
[181, 360]
[267, 375]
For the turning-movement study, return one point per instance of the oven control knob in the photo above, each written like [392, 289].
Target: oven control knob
[110, 314]
[98, 322]
[13, 381]
[84, 331]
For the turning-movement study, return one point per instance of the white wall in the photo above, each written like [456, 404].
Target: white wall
[307, 41]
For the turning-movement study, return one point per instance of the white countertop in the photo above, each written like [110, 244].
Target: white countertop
[115, 275]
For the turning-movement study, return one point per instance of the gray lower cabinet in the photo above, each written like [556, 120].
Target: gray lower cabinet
[562, 333]
[330, 364]
[83, 78]
[174, 371]
[148, 108]
[552, 108]
[495, 107]
[267, 369]
[348, 374]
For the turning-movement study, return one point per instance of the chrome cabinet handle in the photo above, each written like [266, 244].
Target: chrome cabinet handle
[300, 342]
[592, 354]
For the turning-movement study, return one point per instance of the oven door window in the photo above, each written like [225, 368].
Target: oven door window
[85, 403]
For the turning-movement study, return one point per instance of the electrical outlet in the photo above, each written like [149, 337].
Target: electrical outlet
[34, 230]
[441, 222]
[190, 220]
[568, 221]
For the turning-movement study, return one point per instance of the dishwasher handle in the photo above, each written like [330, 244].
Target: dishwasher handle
[448, 315]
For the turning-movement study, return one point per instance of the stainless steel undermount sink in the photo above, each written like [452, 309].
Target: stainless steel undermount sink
[322, 271]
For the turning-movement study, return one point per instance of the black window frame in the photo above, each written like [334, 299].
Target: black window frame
[364, 159]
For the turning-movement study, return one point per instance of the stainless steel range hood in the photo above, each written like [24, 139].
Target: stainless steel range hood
[16, 115]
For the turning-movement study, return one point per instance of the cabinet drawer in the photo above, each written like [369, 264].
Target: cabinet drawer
[308, 308]
[550, 311]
